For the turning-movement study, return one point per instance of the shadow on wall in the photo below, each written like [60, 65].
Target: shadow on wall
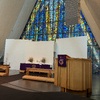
[1, 60]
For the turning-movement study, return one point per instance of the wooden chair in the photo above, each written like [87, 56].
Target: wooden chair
[4, 70]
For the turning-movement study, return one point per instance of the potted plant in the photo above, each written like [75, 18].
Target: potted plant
[30, 59]
[43, 60]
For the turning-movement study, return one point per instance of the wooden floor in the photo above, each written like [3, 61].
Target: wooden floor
[36, 86]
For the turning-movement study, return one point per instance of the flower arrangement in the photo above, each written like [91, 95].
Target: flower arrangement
[43, 60]
[30, 59]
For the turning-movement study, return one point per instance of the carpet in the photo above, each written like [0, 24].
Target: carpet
[6, 79]
[7, 93]
[12, 94]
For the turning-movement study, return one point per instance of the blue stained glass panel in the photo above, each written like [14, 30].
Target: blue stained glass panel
[66, 29]
[91, 35]
[47, 23]
[46, 2]
[45, 37]
[59, 35]
[88, 28]
[39, 37]
[65, 35]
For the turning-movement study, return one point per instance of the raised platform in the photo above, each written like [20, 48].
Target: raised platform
[38, 78]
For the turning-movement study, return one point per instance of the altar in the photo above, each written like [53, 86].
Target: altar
[24, 66]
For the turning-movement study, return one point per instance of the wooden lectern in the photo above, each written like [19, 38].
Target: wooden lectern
[77, 75]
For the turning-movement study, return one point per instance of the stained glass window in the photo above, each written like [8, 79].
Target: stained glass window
[47, 22]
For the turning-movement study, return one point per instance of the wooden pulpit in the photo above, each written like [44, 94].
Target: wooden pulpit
[76, 75]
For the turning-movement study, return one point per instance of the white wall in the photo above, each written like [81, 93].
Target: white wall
[75, 47]
[19, 51]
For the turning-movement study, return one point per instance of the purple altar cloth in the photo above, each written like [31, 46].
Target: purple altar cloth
[23, 66]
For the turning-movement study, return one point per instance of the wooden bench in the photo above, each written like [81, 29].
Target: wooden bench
[4, 70]
[39, 78]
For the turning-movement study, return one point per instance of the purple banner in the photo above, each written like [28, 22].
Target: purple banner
[62, 60]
